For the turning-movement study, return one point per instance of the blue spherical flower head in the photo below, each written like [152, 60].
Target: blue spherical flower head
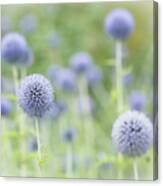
[66, 80]
[132, 133]
[14, 49]
[69, 135]
[119, 24]
[56, 109]
[81, 62]
[35, 95]
[137, 100]
[5, 106]
[127, 79]
[28, 23]
[53, 71]
[33, 146]
[93, 76]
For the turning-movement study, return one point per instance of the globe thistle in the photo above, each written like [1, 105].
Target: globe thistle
[93, 76]
[137, 100]
[14, 49]
[56, 109]
[69, 135]
[132, 133]
[28, 23]
[5, 106]
[127, 79]
[66, 80]
[81, 62]
[35, 95]
[53, 71]
[119, 24]
[33, 146]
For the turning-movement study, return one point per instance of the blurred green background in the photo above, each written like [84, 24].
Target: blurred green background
[81, 28]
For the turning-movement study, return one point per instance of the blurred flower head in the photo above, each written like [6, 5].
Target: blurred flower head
[127, 79]
[35, 95]
[5, 106]
[69, 135]
[81, 62]
[33, 146]
[53, 39]
[14, 50]
[66, 80]
[53, 71]
[132, 133]
[94, 76]
[28, 23]
[119, 24]
[137, 100]
[56, 109]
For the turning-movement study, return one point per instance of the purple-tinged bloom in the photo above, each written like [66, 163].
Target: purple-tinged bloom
[81, 62]
[127, 79]
[119, 24]
[33, 146]
[94, 76]
[56, 109]
[69, 135]
[66, 80]
[53, 39]
[14, 50]
[132, 133]
[5, 107]
[137, 100]
[53, 71]
[35, 95]
[28, 23]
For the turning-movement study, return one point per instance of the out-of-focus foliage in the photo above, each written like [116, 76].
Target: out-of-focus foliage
[57, 32]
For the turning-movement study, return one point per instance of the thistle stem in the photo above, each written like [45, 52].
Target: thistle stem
[38, 142]
[69, 161]
[119, 89]
[135, 169]
[15, 78]
[119, 86]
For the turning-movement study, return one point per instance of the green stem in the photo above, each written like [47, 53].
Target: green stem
[119, 76]
[38, 142]
[119, 88]
[86, 113]
[69, 161]
[15, 78]
[23, 72]
[135, 169]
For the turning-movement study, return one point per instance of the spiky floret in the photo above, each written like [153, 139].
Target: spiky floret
[35, 95]
[132, 133]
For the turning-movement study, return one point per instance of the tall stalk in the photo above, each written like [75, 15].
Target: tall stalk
[38, 143]
[119, 88]
[15, 78]
[119, 74]
[135, 169]
[69, 161]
